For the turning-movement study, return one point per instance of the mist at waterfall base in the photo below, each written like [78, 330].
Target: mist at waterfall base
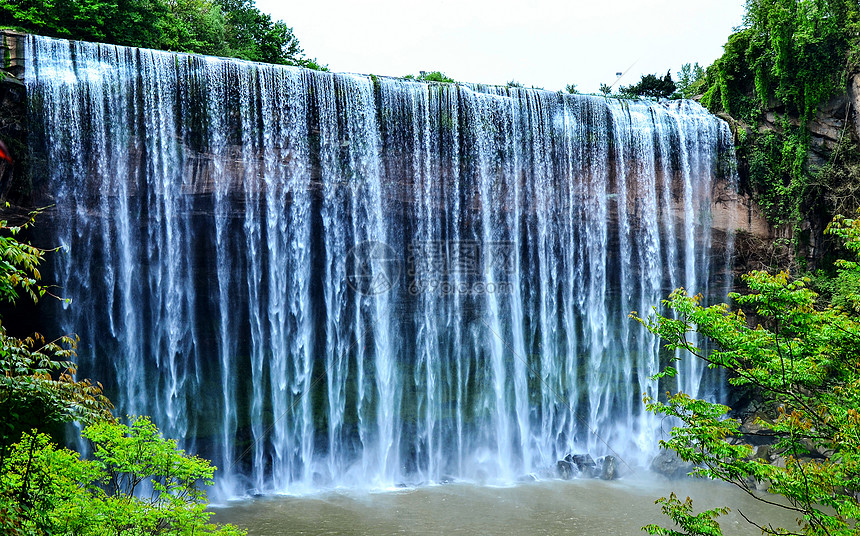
[332, 280]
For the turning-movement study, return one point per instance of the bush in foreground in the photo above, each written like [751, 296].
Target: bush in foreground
[138, 483]
[804, 360]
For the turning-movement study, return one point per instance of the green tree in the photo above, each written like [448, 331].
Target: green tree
[436, 76]
[252, 35]
[136, 23]
[651, 85]
[233, 28]
[571, 88]
[136, 483]
[701, 524]
[45, 490]
[691, 79]
[197, 26]
[804, 359]
[606, 89]
[84, 19]
[19, 263]
[38, 387]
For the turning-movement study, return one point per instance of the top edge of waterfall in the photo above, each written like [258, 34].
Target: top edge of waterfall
[477, 87]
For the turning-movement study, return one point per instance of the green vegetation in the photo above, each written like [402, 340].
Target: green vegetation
[691, 80]
[701, 524]
[432, 76]
[651, 85]
[804, 360]
[571, 88]
[789, 58]
[19, 263]
[37, 385]
[791, 51]
[46, 490]
[802, 357]
[436, 76]
[796, 349]
[232, 28]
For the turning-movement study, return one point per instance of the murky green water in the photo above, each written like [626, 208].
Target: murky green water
[581, 507]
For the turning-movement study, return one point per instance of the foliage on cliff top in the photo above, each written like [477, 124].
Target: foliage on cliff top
[231, 28]
[651, 85]
[432, 76]
[788, 58]
[791, 53]
[691, 78]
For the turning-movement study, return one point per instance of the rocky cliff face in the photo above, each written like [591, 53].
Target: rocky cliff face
[835, 119]
[832, 186]
[14, 181]
[827, 128]
[833, 164]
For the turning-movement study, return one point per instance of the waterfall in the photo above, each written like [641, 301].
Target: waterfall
[321, 280]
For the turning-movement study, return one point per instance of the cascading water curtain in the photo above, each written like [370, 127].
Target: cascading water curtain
[321, 279]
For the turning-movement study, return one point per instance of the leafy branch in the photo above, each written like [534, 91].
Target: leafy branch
[806, 361]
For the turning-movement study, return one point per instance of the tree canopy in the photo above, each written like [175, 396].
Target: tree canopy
[432, 76]
[803, 358]
[231, 28]
[47, 490]
[651, 85]
[691, 78]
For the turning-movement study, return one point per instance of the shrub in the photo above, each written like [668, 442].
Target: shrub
[137, 483]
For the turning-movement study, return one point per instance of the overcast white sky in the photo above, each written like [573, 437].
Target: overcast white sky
[545, 43]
